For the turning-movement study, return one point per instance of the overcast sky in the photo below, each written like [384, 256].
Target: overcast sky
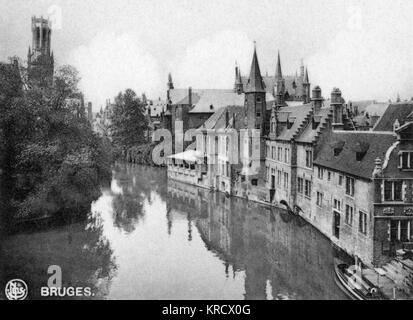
[363, 47]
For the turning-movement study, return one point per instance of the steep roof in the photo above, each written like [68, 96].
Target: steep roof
[399, 111]
[218, 121]
[255, 82]
[374, 144]
[297, 114]
[202, 99]
[308, 134]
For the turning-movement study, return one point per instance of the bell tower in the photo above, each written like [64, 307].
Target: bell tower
[255, 97]
[40, 59]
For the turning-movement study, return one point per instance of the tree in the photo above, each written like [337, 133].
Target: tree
[129, 124]
[54, 161]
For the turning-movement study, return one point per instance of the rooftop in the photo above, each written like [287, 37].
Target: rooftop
[339, 151]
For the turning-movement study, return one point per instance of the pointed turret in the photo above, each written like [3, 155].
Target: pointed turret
[306, 76]
[306, 87]
[278, 72]
[279, 90]
[255, 82]
[255, 103]
[170, 83]
[238, 86]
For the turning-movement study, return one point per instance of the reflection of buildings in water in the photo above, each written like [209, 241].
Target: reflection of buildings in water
[83, 253]
[282, 257]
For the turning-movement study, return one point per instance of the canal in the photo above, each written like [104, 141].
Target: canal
[147, 238]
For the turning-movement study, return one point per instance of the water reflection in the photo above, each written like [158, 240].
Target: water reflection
[131, 190]
[80, 249]
[282, 256]
[147, 238]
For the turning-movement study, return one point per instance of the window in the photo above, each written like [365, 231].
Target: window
[393, 190]
[350, 186]
[320, 173]
[319, 199]
[349, 214]
[307, 190]
[406, 160]
[254, 182]
[337, 204]
[285, 180]
[308, 158]
[329, 175]
[340, 180]
[401, 230]
[279, 177]
[362, 222]
[279, 153]
[273, 153]
[287, 155]
[258, 113]
[300, 185]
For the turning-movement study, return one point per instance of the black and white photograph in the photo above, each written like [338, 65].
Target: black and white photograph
[206, 151]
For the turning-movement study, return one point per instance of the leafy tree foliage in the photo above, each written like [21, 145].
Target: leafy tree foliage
[51, 160]
[129, 123]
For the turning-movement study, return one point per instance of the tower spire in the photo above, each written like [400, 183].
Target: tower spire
[278, 72]
[306, 76]
[255, 82]
[170, 83]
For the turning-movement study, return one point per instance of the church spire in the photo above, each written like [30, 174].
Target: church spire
[278, 72]
[170, 83]
[255, 82]
[306, 76]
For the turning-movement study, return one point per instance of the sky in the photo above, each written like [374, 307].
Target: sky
[363, 47]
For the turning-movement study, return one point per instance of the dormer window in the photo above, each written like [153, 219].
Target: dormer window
[338, 147]
[360, 155]
[396, 125]
[406, 160]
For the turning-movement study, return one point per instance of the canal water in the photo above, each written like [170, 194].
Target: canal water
[147, 238]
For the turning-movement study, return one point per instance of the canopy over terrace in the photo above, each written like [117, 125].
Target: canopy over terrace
[189, 156]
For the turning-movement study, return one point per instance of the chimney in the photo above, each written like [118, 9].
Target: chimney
[317, 99]
[190, 97]
[337, 106]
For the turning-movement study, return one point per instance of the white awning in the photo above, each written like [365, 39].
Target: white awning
[189, 155]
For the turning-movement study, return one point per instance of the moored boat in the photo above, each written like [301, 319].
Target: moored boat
[351, 281]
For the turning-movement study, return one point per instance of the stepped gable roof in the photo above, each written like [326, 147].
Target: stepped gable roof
[308, 135]
[298, 114]
[372, 144]
[399, 111]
